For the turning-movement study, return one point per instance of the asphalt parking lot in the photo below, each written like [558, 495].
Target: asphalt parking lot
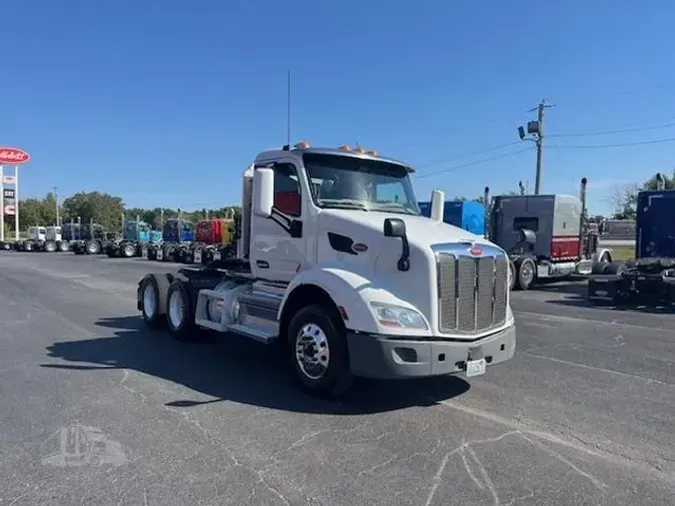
[583, 414]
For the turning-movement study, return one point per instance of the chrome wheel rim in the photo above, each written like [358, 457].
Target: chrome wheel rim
[149, 301]
[312, 353]
[527, 272]
[129, 250]
[176, 309]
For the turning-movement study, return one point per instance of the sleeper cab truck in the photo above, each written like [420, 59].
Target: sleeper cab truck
[177, 237]
[213, 240]
[343, 279]
[136, 237]
[546, 236]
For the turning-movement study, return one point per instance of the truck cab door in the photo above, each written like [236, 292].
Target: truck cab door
[278, 243]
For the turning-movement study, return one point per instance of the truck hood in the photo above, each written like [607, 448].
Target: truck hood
[419, 229]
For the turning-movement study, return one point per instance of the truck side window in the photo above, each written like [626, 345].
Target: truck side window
[527, 223]
[286, 189]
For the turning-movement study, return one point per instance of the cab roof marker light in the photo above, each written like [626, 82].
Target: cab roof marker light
[371, 152]
[345, 147]
[302, 145]
[359, 149]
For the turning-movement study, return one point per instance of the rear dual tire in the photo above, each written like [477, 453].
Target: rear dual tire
[175, 302]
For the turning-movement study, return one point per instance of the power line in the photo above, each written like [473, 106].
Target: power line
[617, 131]
[467, 155]
[618, 145]
[471, 164]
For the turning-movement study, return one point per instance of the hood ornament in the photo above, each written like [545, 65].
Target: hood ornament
[475, 250]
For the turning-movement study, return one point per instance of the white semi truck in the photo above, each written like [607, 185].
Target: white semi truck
[336, 266]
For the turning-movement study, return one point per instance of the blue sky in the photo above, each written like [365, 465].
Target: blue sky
[165, 102]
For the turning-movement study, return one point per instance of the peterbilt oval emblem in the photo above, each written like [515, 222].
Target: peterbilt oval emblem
[476, 250]
[359, 247]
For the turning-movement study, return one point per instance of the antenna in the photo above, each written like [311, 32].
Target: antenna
[288, 111]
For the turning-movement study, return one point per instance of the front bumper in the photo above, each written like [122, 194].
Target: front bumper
[381, 357]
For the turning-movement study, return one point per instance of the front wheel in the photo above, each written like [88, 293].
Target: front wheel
[318, 354]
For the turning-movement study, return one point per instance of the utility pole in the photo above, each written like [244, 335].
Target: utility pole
[535, 129]
[56, 199]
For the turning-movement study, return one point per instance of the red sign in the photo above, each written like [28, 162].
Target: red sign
[13, 156]
[9, 180]
[9, 209]
[476, 250]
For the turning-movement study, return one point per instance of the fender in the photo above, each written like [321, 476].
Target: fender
[353, 289]
[600, 252]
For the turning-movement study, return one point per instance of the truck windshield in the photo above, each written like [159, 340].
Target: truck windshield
[348, 182]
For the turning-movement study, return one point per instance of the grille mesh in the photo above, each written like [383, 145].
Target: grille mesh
[472, 293]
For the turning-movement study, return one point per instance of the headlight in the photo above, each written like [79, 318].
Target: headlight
[390, 315]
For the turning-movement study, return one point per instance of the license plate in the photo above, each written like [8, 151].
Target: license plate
[198, 256]
[160, 254]
[144, 253]
[475, 367]
[216, 255]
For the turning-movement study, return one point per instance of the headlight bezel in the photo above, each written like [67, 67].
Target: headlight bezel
[394, 316]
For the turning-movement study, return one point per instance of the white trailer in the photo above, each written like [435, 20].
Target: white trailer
[336, 266]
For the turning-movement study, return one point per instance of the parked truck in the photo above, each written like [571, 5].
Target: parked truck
[177, 237]
[137, 236]
[213, 241]
[54, 240]
[344, 279]
[546, 236]
[649, 279]
[466, 214]
[87, 238]
[36, 239]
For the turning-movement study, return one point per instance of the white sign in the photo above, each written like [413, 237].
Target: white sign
[9, 209]
[9, 180]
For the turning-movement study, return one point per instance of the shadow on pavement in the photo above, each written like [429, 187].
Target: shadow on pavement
[236, 370]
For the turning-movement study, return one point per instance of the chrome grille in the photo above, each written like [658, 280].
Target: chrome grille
[472, 292]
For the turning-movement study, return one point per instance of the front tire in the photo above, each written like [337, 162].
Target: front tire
[317, 352]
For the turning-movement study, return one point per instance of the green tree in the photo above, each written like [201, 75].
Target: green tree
[102, 208]
[624, 199]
